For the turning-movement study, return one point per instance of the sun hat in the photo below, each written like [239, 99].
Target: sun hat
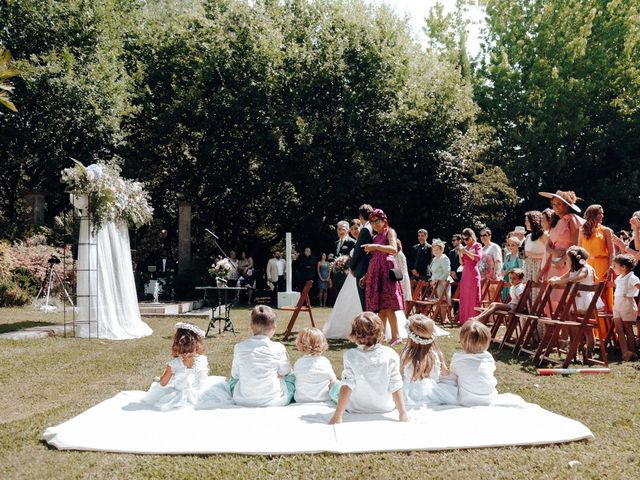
[519, 229]
[568, 197]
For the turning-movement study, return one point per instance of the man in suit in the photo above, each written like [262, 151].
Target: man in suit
[275, 275]
[360, 259]
[421, 256]
[343, 246]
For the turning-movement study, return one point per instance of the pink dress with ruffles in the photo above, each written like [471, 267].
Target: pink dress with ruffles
[382, 293]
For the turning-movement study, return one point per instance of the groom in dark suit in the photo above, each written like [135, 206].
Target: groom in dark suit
[343, 246]
[360, 259]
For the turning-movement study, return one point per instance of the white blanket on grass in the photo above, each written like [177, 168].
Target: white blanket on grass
[123, 424]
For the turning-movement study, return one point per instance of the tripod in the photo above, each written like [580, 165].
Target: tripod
[47, 284]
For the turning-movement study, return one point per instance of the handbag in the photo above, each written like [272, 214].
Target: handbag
[395, 274]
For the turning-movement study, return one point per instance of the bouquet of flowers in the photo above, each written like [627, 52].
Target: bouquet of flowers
[111, 198]
[221, 269]
[341, 264]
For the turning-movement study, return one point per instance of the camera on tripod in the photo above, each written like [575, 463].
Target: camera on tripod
[53, 260]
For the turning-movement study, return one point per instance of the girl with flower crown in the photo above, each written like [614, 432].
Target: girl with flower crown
[421, 364]
[185, 380]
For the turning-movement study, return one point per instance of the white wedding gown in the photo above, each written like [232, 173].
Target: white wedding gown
[345, 309]
[106, 292]
[347, 306]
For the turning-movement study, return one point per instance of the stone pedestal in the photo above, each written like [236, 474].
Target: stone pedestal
[35, 199]
[286, 299]
[184, 236]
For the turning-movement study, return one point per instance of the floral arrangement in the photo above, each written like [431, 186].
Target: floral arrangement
[111, 198]
[341, 264]
[220, 269]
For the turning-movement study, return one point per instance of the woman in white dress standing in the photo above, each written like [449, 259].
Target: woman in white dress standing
[534, 245]
[402, 265]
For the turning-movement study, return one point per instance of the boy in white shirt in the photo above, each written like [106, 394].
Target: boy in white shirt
[260, 368]
[625, 308]
[475, 367]
[516, 277]
[371, 380]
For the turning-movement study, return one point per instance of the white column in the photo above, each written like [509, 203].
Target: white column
[289, 297]
[288, 272]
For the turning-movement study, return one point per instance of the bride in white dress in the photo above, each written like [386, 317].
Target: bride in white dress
[347, 306]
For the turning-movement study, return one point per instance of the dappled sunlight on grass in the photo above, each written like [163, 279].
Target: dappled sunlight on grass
[48, 381]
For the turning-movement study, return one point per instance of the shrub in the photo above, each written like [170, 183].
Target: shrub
[11, 295]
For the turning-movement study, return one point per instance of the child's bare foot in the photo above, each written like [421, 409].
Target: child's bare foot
[629, 356]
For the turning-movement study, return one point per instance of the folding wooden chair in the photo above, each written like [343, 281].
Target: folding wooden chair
[303, 305]
[580, 327]
[452, 313]
[490, 292]
[419, 293]
[503, 318]
[436, 304]
[529, 341]
[517, 322]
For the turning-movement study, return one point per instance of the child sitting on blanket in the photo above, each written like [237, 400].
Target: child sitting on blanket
[260, 370]
[625, 309]
[474, 369]
[186, 375]
[421, 364]
[516, 277]
[313, 373]
[371, 380]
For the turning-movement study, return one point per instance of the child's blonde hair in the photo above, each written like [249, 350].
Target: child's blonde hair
[188, 339]
[311, 341]
[263, 318]
[421, 350]
[474, 337]
[367, 329]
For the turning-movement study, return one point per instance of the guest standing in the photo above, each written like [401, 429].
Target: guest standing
[470, 254]
[234, 273]
[490, 265]
[421, 256]
[511, 260]
[563, 232]
[383, 295]
[402, 264]
[535, 245]
[245, 262]
[440, 269]
[275, 275]
[307, 265]
[323, 279]
[360, 260]
[597, 240]
[343, 246]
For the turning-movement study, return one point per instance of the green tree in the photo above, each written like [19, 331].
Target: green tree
[6, 71]
[560, 84]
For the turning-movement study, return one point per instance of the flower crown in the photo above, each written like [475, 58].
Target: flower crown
[419, 340]
[191, 327]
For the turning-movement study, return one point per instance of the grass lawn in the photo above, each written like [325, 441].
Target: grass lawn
[47, 381]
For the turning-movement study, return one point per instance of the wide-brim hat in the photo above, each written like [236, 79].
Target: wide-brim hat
[568, 197]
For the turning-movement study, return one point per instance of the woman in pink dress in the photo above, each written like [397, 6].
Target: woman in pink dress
[382, 294]
[470, 252]
[563, 232]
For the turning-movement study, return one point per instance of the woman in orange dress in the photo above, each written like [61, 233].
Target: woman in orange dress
[597, 240]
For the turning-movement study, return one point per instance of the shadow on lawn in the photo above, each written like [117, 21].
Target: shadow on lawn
[509, 358]
[13, 327]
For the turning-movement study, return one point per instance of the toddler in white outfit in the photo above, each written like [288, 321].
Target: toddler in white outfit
[625, 309]
[475, 367]
[314, 375]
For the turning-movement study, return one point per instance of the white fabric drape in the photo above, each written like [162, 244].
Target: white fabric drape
[107, 300]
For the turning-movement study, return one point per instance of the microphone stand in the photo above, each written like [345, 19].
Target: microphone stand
[215, 242]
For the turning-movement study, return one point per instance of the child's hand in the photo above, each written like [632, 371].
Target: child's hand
[335, 419]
